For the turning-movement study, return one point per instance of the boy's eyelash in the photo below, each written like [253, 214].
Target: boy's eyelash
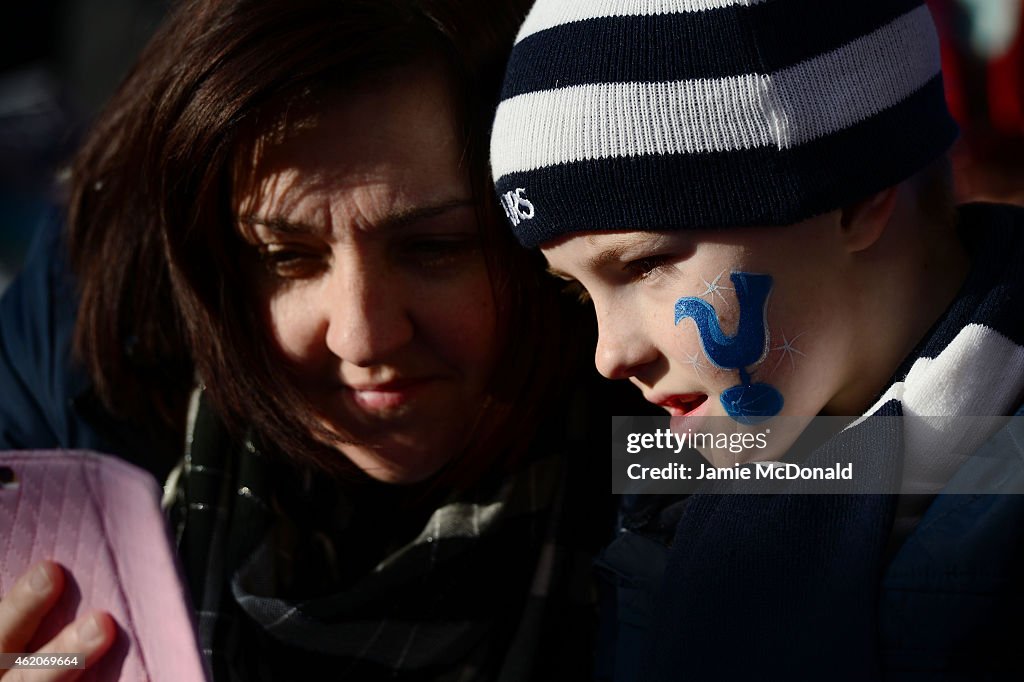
[642, 268]
[576, 290]
[639, 269]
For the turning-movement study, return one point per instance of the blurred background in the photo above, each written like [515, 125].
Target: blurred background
[60, 60]
[983, 61]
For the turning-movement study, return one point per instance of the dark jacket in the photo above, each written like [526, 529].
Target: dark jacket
[947, 606]
[45, 396]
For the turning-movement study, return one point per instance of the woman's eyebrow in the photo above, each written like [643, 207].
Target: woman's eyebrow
[407, 217]
[394, 221]
[279, 225]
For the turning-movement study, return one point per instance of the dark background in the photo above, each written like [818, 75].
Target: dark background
[59, 62]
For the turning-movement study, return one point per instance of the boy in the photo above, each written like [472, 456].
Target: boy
[754, 194]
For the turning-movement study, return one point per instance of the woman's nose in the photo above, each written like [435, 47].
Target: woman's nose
[623, 346]
[368, 319]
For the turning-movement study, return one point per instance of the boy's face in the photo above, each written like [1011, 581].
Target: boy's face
[670, 317]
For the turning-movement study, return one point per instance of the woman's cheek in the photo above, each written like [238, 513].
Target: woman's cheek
[460, 319]
[298, 338]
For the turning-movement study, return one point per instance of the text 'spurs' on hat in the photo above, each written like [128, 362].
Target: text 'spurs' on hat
[676, 114]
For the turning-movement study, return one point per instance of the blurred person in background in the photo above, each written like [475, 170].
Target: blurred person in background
[983, 63]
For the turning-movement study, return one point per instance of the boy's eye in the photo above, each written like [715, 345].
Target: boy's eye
[576, 290]
[644, 268]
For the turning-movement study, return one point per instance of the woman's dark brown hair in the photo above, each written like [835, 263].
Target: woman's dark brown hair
[163, 296]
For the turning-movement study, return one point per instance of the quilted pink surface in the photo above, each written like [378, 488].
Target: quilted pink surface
[99, 517]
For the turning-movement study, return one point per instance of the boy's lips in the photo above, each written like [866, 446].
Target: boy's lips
[681, 405]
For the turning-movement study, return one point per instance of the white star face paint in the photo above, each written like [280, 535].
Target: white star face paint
[787, 351]
[713, 288]
[796, 342]
[695, 361]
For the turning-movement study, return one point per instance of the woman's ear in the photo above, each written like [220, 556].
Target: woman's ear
[862, 223]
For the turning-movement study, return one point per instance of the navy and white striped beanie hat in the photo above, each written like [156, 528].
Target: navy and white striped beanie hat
[676, 114]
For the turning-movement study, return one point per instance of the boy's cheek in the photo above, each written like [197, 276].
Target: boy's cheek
[728, 316]
[786, 356]
[803, 365]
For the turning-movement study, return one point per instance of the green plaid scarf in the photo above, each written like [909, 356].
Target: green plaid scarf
[487, 588]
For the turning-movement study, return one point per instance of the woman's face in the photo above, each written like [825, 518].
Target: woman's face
[372, 280]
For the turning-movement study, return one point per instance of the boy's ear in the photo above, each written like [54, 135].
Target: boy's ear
[862, 223]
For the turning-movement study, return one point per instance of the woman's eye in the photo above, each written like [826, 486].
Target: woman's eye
[645, 268]
[440, 253]
[289, 263]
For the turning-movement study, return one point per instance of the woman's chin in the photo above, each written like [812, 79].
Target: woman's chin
[395, 466]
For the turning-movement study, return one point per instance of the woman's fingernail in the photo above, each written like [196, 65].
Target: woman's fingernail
[40, 581]
[89, 632]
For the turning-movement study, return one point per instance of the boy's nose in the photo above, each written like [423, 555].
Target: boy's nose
[622, 347]
[367, 317]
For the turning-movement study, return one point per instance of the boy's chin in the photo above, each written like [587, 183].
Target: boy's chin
[777, 433]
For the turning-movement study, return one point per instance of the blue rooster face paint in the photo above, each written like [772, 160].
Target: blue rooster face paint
[748, 402]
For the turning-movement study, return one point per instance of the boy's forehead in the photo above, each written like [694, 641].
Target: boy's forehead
[599, 241]
[779, 247]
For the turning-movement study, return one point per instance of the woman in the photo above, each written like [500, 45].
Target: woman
[282, 239]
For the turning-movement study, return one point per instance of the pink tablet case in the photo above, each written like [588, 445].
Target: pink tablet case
[100, 518]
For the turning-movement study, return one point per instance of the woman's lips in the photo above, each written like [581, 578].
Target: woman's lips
[389, 396]
[683, 405]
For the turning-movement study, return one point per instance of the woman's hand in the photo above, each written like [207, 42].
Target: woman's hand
[23, 608]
